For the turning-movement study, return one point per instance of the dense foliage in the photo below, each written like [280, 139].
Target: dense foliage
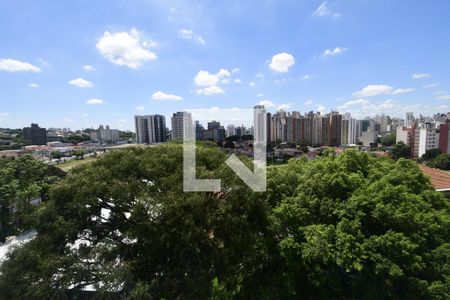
[442, 161]
[389, 139]
[347, 226]
[22, 180]
[400, 150]
[431, 154]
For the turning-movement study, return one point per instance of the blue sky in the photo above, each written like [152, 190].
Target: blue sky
[146, 57]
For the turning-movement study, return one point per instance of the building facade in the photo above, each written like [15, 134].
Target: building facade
[150, 129]
[35, 135]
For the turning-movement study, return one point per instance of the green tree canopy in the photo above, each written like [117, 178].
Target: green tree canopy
[346, 226]
[400, 150]
[431, 154]
[389, 139]
[442, 161]
[21, 180]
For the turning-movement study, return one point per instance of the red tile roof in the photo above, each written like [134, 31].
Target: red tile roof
[439, 179]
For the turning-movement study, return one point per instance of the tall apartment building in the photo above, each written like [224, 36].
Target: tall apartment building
[105, 134]
[335, 126]
[177, 121]
[444, 137]
[306, 127]
[384, 121]
[150, 129]
[231, 130]
[35, 135]
[259, 130]
[352, 132]
[426, 137]
[409, 121]
[345, 131]
[293, 127]
[316, 124]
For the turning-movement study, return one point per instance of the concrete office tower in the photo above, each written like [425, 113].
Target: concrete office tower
[177, 121]
[35, 135]
[150, 129]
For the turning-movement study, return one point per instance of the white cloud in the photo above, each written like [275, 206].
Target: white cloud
[237, 80]
[281, 62]
[309, 102]
[354, 102]
[81, 83]
[125, 48]
[67, 120]
[266, 103]
[188, 34]
[12, 65]
[432, 85]
[420, 75]
[437, 93]
[160, 96]
[381, 89]
[204, 78]
[95, 101]
[235, 70]
[88, 68]
[33, 85]
[140, 108]
[444, 97]
[284, 106]
[333, 52]
[252, 84]
[260, 95]
[84, 115]
[306, 77]
[259, 75]
[361, 108]
[209, 82]
[402, 91]
[210, 90]
[121, 121]
[323, 11]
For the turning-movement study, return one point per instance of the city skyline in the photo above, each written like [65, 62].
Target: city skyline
[160, 57]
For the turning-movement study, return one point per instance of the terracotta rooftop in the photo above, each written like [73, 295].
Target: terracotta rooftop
[439, 179]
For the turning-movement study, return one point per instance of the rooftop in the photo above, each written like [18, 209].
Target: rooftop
[439, 179]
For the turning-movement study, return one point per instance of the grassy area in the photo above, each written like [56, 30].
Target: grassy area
[67, 166]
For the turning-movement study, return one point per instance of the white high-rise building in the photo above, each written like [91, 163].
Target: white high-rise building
[231, 130]
[177, 121]
[352, 132]
[427, 138]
